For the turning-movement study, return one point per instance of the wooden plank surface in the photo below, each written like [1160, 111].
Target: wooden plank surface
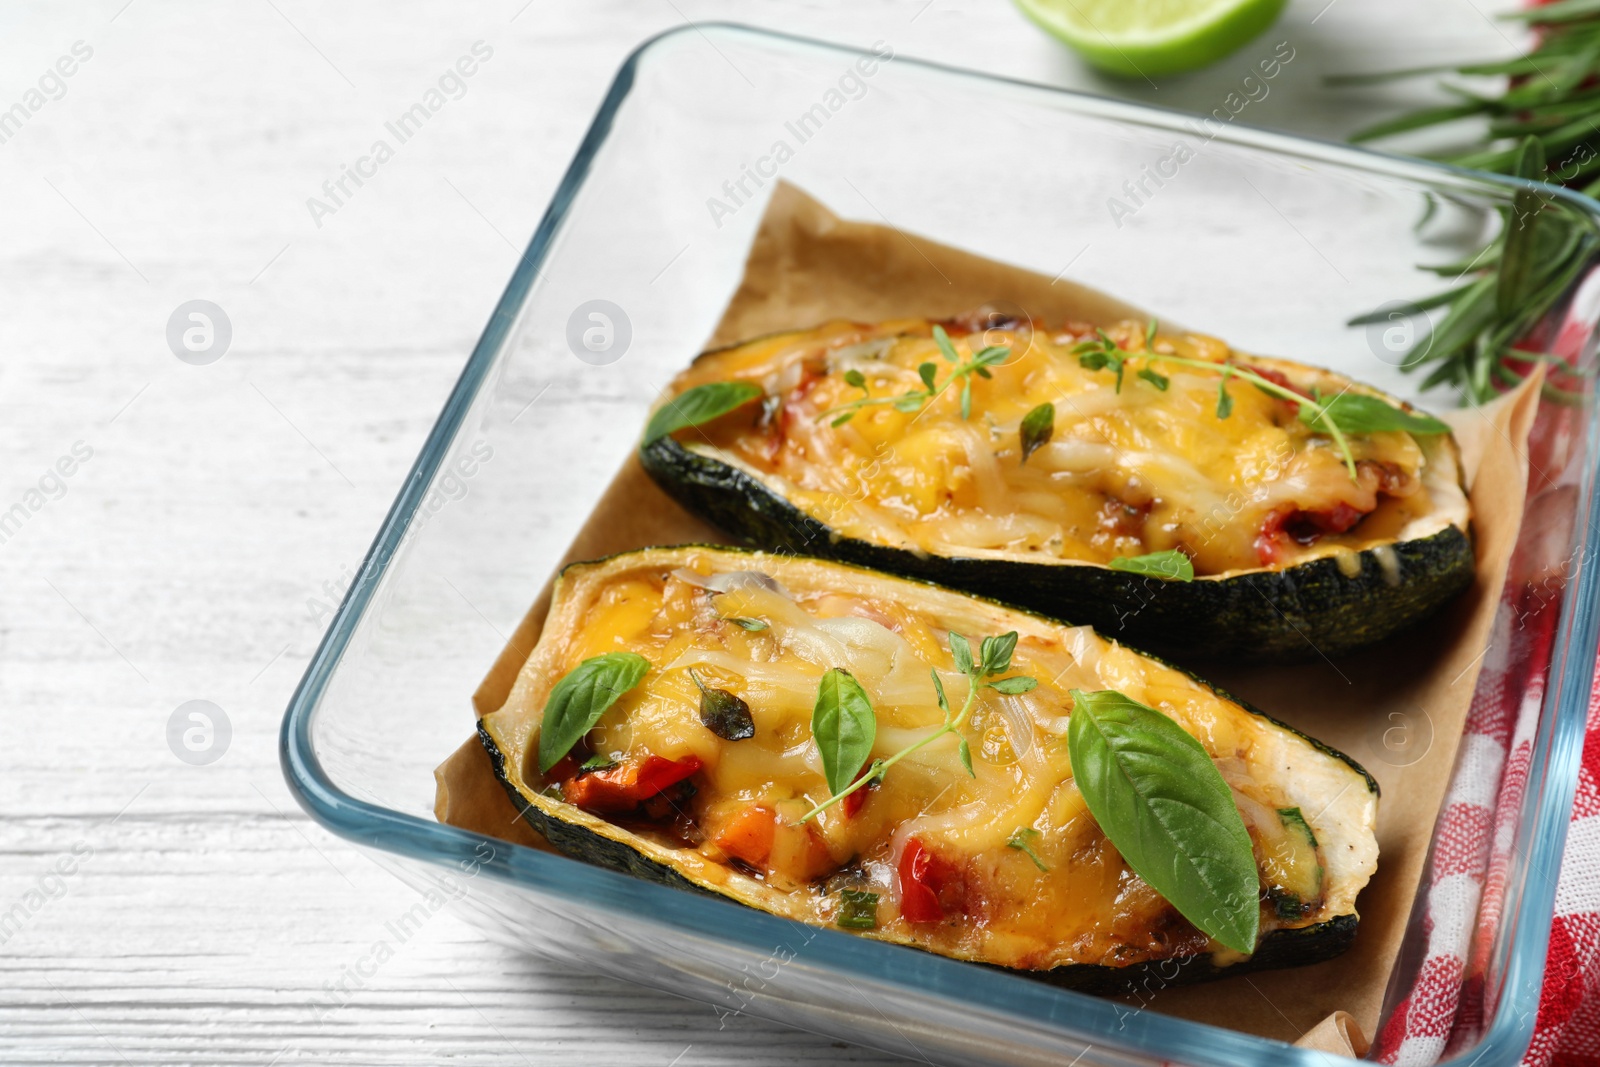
[153, 911]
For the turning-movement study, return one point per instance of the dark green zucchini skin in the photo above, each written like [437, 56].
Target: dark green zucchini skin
[1278, 616]
[1278, 949]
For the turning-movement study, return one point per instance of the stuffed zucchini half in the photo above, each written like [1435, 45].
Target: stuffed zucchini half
[1162, 488]
[927, 768]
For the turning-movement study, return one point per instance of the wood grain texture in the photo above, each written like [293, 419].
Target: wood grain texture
[205, 918]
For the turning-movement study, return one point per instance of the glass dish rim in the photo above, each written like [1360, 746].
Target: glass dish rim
[1530, 902]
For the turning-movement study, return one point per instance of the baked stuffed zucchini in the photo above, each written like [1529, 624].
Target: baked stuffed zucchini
[1160, 487]
[924, 767]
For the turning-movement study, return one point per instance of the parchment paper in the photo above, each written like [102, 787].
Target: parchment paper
[1398, 709]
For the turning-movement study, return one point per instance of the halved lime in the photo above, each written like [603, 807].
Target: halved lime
[1146, 38]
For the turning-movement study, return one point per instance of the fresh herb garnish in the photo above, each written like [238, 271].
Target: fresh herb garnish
[722, 713]
[579, 699]
[914, 399]
[697, 406]
[1160, 381]
[1173, 564]
[1038, 426]
[994, 657]
[597, 762]
[1164, 806]
[1358, 413]
[1100, 354]
[858, 910]
[1548, 106]
[753, 625]
[1347, 413]
[1022, 841]
[844, 725]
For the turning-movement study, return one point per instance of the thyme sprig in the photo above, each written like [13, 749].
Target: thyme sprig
[916, 399]
[994, 657]
[1022, 840]
[1103, 352]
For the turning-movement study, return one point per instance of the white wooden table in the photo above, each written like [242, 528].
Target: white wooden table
[154, 911]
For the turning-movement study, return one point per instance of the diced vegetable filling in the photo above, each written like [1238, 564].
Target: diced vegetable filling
[717, 752]
[1076, 443]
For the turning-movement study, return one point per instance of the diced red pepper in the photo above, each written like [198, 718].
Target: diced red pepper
[1307, 526]
[926, 884]
[624, 786]
[565, 768]
[1269, 542]
[1303, 527]
[1278, 378]
[853, 803]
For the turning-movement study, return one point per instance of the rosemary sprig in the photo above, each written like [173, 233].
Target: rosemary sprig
[915, 399]
[1544, 125]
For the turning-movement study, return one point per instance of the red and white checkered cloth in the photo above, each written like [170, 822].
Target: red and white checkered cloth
[1442, 1012]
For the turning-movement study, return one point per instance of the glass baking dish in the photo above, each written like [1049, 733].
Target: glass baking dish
[1269, 241]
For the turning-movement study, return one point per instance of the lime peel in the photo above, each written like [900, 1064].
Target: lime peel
[1149, 38]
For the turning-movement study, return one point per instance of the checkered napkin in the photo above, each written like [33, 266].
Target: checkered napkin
[1465, 892]
[1463, 902]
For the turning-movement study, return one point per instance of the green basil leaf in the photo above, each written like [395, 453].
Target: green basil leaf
[1038, 426]
[1014, 686]
[1164, 806]
[753, 625]
[995, 652]
[929, 373]
[946, 349]
[1160, 381]
[965, 751]
[581, 697]
[842, 419]
[844, 725]
[697, 406]
[597, 762]
[855, 378]
[961, 652]
[724, 714]
[1358, 413]
[966, 398]
[1173, 565]
[1150, 335]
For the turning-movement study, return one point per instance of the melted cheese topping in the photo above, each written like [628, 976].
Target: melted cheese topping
[998, 906]
[1126, 472]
